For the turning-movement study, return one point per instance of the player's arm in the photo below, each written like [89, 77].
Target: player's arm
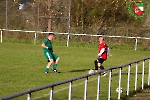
[108, 51]
[44, 46]
[101, 52]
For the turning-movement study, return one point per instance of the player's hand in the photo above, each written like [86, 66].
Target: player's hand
[49, 48]
[110, 54]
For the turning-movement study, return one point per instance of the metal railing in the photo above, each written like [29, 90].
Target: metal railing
[36, 32]
[70, 81]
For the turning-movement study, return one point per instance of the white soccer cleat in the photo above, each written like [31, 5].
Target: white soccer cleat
[104, 74]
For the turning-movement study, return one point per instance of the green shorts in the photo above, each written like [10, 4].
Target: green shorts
[50, 56]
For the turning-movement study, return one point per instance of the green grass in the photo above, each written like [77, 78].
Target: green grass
[22, 68]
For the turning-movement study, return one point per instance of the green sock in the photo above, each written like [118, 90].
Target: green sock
[46, 69]
[54, 66]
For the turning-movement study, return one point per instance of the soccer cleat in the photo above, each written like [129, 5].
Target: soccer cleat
[55, 71]
[46, 70]
[104, 74]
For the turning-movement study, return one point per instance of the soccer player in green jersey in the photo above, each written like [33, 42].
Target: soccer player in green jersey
[48, 53]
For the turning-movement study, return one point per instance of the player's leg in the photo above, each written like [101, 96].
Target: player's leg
[102, 67]
[100, 62]
[96, 65]
[50, 61]
[56, 61]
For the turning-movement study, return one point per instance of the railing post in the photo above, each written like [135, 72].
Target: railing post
[128, 83]
[143, 74]
[98, 87]
[149, 73]
[136, 42]
[136, 76]
[120, 73]
[70, 90]
[1, 35]
[69, 18]
[51, 93]
[29, 96]
[85, 89]
[109, 87]
[35, 38]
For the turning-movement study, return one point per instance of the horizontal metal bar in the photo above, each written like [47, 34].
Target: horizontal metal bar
[69, 80]
[112, 36]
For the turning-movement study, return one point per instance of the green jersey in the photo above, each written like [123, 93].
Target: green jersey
[48, 43]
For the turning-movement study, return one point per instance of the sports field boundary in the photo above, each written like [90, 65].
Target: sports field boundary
[69, 34]
[75, 85]
[86, 76]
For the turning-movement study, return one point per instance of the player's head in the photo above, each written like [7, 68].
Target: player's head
[100, 39]
[50, 36]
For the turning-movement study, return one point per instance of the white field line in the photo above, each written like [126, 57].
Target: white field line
[115, 72]
[65, 88]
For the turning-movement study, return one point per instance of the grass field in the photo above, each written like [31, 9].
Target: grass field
[22, 67]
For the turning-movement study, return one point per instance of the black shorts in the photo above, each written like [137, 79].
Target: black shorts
[100, 60]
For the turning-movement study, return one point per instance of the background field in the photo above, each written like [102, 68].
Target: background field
[22, 67]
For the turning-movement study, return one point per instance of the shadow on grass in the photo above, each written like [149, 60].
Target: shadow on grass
[80, 70]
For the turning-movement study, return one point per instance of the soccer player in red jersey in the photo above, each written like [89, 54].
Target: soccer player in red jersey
[102, 54]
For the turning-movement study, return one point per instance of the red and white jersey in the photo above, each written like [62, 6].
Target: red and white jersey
[102, 52]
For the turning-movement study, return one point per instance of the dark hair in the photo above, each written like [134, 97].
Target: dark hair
[50, 33]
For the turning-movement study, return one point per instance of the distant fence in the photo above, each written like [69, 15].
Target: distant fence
[86, 77]
[68, 35]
